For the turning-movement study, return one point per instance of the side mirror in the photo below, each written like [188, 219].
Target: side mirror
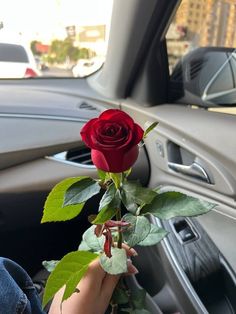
[205, 77]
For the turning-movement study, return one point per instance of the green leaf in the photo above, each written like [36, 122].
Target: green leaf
[108, 206]
[90, 239]
[138, 231]
[120, 296]
[50, 265]
[133, 194]
[155, 235]
[81, 191]
[140, 311]
[149, 129]
[126, 310]
[108, 196]
[173, 204]
[117, 264]
[138, 297]
[84, 246]
[53, 208]
[106, 214]
[68, 272]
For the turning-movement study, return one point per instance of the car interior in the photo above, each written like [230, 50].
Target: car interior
[191, 150]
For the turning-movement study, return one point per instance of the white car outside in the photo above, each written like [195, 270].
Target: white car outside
[85, 67]
[17, 61]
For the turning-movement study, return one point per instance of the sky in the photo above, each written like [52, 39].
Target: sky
[44, 19]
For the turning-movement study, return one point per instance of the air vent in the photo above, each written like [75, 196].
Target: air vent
[195, 66]
[87, 106]
[81, 155]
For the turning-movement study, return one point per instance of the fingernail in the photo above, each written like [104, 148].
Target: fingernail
[133, 252]
[132, 270]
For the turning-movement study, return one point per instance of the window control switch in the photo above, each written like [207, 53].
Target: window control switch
[184, 230]
[187, 234]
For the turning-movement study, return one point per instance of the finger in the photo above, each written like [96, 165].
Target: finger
[96, 268]
[132, 270]
[94, 276]
[129, 251]
[108, 286]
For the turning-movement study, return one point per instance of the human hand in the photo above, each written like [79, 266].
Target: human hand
[96, 289]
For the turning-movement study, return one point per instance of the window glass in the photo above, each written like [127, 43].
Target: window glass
[62, 38]
[201, 45]
[12, 53]
[201, 23]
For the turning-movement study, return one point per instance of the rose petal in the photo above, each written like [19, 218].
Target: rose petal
[99, 160]
[101, 142]
[117, 115]
[114, 160]
[87, 130]
[113, 139]
[138, 134]
[114, 223]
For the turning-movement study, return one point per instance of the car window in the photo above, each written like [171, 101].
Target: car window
[201, 41]
[66, 38]
[201, 23]
[12, 53]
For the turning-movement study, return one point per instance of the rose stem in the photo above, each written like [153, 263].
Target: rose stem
[118, 218]
[119, 245]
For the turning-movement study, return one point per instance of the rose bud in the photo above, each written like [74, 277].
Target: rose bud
[113, 138]
[98, 230]
[108, 242]
[114, 223]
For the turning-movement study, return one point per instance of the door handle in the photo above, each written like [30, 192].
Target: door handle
[194, 170]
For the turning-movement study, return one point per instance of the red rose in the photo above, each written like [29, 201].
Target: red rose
[113, 138]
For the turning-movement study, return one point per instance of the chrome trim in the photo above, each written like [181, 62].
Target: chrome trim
[194, 170]
[179, 271]
[61, 158]
[43, 117]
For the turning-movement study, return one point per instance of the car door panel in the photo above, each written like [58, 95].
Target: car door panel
[183, 136]
[217, 225]
[196, 138]
[190, 129]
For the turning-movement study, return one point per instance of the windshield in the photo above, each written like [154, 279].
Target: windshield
[62, 38]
